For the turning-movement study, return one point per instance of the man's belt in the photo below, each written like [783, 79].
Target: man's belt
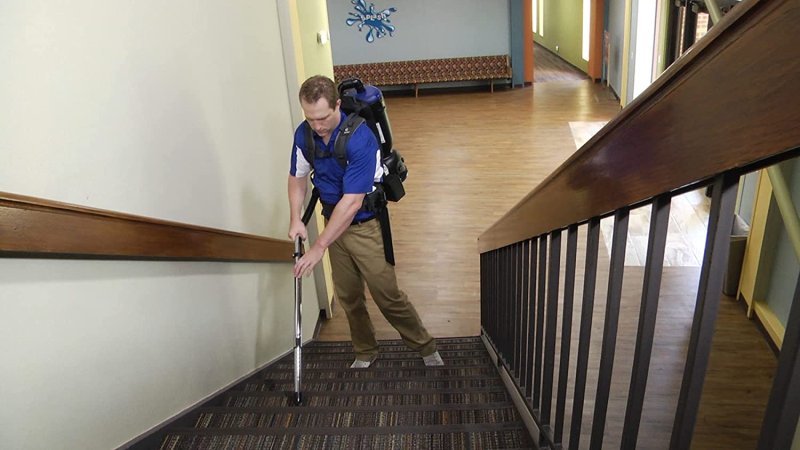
[382, 215]
[358, 222]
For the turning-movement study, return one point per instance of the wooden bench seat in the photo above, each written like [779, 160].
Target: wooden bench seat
[415, 72]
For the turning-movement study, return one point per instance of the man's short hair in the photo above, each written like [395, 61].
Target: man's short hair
[317, 87]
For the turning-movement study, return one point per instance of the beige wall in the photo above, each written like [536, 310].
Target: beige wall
[310, 57]
[176, 110]
[313, 18]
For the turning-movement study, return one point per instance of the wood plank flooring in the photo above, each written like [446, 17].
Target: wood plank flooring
[549, 67]
[738, 380]
[472, 157]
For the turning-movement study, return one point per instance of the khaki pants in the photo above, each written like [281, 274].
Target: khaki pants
[357, 257]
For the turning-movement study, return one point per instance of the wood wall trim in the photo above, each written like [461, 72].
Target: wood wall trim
[33, 227]
[527, 40]
[596, 43]
[773, 326]
[729, 103]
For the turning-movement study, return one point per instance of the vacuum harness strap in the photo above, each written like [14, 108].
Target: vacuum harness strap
[374, 202]
[348, 127]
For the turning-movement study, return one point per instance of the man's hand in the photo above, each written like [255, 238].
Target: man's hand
[297, 228]
[340, 219]
[305, 266]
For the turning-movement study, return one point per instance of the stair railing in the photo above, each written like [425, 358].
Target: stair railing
[679, 135]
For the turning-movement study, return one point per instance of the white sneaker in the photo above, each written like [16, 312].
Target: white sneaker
[434, 359]
[359, 364]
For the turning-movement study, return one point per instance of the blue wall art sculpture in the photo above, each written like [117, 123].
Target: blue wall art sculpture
[377, 23]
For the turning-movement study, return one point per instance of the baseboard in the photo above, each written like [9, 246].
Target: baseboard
[151, 438]
[322, 316]
[446, 87]
[518, 400]
[774, 328]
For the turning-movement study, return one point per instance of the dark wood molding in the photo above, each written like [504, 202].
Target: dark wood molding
[730, 103]
[33, 227]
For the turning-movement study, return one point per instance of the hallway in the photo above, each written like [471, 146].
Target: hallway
[547, 66]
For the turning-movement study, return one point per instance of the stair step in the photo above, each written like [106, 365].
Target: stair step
[352, 400]
[441, 342]
[379, 363]
[320, 417]
[375, 373]
[365, 430]
[375, 392]
[417, 371]
[394, 349]
[427, 437]
[384, 360]
[400, 353]
[365, 408]
[372, 385]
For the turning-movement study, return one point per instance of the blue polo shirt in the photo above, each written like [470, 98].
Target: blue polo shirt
[358, 177]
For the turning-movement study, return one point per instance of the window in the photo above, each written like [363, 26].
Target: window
[541, 17]
[535, 14]
[702, 25]
[587, 12]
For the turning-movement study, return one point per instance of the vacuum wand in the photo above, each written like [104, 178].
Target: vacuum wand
[297, 396]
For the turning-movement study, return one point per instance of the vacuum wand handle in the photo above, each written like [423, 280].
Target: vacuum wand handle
[298, 332]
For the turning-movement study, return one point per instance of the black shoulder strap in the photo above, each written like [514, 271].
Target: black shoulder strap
[310, 150]
[351, 123]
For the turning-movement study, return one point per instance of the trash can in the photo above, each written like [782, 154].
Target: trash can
[739, 232]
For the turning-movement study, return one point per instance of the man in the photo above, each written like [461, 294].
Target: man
[352, 236]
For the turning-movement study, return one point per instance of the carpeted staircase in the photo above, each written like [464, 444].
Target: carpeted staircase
[397, 403]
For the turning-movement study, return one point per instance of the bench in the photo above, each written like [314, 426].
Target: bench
[416, 72]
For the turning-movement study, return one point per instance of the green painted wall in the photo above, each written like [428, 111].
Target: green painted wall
[785, 268]
[563, 28]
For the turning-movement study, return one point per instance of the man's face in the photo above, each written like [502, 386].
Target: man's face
[322, 118]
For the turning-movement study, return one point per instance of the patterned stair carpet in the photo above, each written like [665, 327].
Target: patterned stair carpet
[397, 403]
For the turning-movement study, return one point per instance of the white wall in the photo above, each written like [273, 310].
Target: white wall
[616, 29]
[642, 49]
[424, 30]
[174, 110]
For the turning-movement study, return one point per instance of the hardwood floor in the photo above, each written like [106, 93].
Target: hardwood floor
[472, 157]
[550, 67]
[738, 379]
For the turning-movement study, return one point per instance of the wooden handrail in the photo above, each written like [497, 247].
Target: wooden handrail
[729, 103]
[33, 227]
